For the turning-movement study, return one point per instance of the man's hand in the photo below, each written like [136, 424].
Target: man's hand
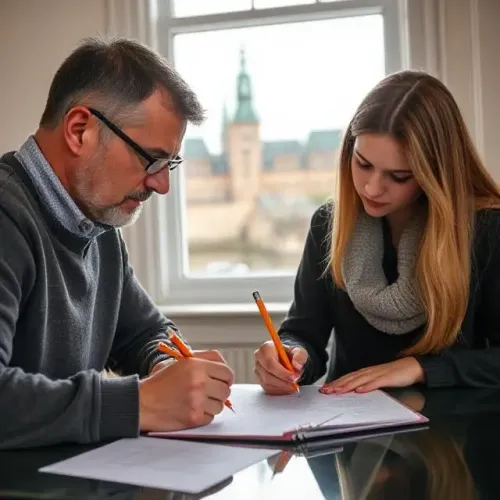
[162, 364]
[400, 373]
[274, 378]
[184, 394]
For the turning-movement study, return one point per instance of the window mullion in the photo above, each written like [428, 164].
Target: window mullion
[273, 15]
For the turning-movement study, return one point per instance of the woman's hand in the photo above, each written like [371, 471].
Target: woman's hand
[400, 373]
[272, 375]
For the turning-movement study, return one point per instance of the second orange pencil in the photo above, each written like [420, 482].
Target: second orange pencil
[285, 360]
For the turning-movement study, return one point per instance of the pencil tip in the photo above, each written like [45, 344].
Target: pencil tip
[232, 409]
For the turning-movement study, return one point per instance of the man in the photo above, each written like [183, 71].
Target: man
[69, 302]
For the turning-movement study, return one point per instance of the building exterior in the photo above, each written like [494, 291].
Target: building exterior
[255, 192]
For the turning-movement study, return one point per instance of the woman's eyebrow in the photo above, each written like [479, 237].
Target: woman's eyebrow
[397, 171]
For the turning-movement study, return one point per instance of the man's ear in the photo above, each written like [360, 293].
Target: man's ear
[80, 130]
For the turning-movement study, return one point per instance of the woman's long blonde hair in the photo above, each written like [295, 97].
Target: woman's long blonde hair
[419, 112]
[445, 475]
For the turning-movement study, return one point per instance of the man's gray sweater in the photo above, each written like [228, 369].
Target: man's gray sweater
[69, 306]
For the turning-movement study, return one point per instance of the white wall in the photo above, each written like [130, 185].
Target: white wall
[489, 35]
[35, 36]
[458, 39]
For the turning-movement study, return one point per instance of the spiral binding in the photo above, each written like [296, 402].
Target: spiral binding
[301, 446]
[301, 431]
[300, 435]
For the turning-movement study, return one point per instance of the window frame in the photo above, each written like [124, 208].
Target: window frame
[166, 233]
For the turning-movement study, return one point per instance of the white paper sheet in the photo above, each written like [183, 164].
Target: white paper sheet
[261, 416]
[184, 466]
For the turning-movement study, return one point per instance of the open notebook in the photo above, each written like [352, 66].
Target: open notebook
[294, 418]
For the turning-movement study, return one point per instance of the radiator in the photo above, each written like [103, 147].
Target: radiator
[239, 358]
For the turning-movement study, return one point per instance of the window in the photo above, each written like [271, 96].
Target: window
[280, 80]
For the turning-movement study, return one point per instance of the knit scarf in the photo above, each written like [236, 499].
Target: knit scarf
[396, 308]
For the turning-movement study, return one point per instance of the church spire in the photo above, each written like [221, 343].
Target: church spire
[244, 111]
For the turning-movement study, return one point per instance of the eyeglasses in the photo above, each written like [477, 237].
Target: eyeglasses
[154, 165]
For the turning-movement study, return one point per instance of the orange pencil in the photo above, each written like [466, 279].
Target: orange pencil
[184, 352]
[283, 459]
[168, 350]
[285, 361]
[183, 348]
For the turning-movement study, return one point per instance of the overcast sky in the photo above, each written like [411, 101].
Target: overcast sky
[305, 76]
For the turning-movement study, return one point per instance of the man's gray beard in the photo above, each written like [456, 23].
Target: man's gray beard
[109, 215]
[114, 216]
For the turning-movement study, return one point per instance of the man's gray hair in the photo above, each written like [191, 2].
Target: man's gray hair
[116, 76]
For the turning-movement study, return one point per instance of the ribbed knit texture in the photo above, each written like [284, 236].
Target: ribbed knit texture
[69, 306]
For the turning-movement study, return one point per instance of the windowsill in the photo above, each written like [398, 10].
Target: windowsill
[204, 310]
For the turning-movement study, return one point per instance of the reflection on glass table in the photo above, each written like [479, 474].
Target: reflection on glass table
[456, 457]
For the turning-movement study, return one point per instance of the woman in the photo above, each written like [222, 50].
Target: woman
[405, 266]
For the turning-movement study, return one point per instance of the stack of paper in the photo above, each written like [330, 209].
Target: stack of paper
[184, 466]
[260, 417]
